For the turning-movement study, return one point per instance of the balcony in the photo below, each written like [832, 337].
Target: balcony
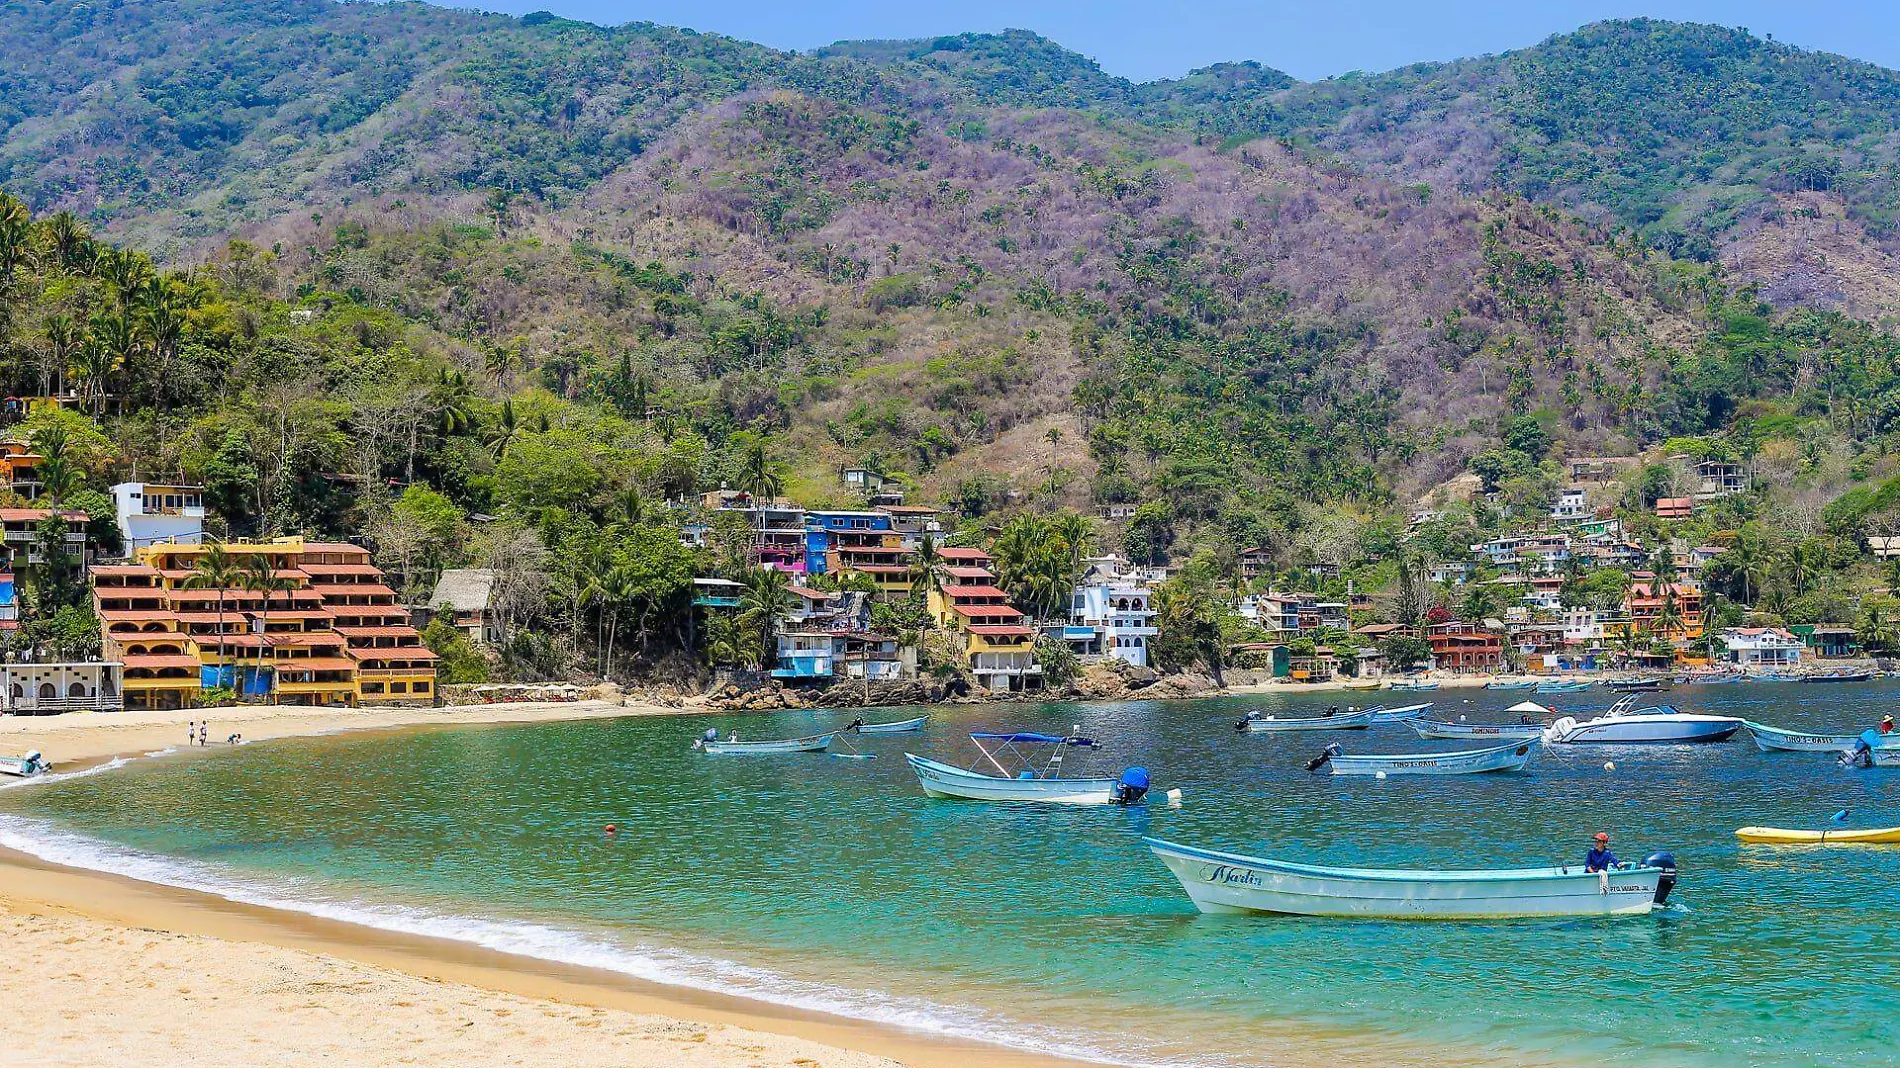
[803, 666]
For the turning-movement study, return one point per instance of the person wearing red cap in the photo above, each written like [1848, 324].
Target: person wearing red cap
[1600, 858]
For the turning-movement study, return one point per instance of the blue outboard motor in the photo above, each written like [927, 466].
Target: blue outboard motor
[1132, 787]
[1861, 755]
[1667, 862]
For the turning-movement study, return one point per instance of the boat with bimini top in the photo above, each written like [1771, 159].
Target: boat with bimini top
[1028, 767]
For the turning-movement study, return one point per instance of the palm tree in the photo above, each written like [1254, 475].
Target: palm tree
[617, 590]
[1802, 563]
[760, 479]
[631, 505]
[69, 239]
[163, 318]
[1751, 564]
[1669, 613]
[262, 577]
[1877, 632]
[926, 565]
[217, 570]
[504, 431]
[15, 235]
[766, 599]
[64, 339]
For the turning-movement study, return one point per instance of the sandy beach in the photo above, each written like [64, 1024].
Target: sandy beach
[110, 971]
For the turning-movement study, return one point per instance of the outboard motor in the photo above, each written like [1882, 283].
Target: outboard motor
[1241, 723]
[1862, 753]
[1325, 755]
[36, 763]
[1132, 787]
[1667, 862]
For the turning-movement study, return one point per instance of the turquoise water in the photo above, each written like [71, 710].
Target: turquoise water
[835, 884]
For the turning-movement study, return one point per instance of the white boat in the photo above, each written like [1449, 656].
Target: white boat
[1401, 714]
[1255, 723]
[1774, 739]
[902, 726]
[1231, 883]
[1561, 686]
[817, 743]
[1625, 724]
[1023, 776]
[24, 767]
[1511, 756]
[1514, 684]
[1414, 684]
[1433, 728]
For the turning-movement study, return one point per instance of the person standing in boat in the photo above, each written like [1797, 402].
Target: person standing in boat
[1600, 858]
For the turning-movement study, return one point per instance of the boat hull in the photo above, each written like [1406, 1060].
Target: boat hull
[1230, 883]
[815, 744]
[1774, 739]
[1510, 757]
[1351, 721]
[1885, 756]
[1562, 687]
[1431, 728]
[902, 726]
[1510, 685]
[945, 780]
[1676, 729]
[1402, 714]
[1843, 836]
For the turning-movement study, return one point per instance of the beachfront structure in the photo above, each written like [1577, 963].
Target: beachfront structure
[332, 635]
[1111, 617]
[1463, 646]
[150, 513]
[466, 595]
[28, 689]
[999, 647]
[1761, 647]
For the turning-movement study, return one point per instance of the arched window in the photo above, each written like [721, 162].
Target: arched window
[47, 689]
[77, 689]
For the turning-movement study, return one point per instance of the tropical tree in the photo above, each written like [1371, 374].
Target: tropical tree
[216, 569]
[262, 577]
[1749, 559]
[15, 236]
[504, 429]
[1802, 564]
[1669, 619]
[766, 599]
[64, 340]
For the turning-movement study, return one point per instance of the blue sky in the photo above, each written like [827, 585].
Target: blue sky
[1307, 39]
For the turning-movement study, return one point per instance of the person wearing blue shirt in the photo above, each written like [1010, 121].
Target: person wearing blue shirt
[1600, 858]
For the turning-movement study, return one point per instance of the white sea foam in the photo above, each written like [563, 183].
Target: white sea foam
[657, 964]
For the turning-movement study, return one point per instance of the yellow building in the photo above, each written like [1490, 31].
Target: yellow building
[333, 636]
[1000, 649]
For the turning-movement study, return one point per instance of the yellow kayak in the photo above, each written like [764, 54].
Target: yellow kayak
[1844, 836]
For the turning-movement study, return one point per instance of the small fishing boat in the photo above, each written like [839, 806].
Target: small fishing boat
[902, 726]
[1232, 883]
[1511, 756]
[1839, 676]
[24, 767]
[1364, 686]
[1402, 714]
[1831, 836]
[1562, 686]
[1256, 723]
[1414, 684]
[1517, 684]
[1625, 724]
[817, 743]
[1635, 685]
[1433, 728]
[1774, 739]
[1774, 676]
[1709, 679]
[1023, 773]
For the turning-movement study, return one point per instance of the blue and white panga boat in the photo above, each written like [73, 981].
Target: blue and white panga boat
[1525, 727]
[902, 726]
[1232, 883]
[1873, 750]
[817, 743]
[1559, 686]
[24, 767]
[1404, 713]
[1774, 739]
[1261, 723]
[1625, 724]
[1028, 767]
[1511, 756]
[1511, 684]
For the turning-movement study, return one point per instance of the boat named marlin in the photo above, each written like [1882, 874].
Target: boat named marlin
[1231, 883]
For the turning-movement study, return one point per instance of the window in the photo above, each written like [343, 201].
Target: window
[47, 689]
[77, 689]
[422, 687]
[372, 687]
[398, 687]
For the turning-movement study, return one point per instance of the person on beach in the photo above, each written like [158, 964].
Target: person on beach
[1600, 858]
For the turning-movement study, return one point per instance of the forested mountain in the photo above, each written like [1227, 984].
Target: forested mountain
[535, 263]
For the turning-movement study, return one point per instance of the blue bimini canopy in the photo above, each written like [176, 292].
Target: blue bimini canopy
[1044, 739]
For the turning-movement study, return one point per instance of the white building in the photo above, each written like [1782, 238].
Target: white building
[152, 513]
[1762, 647]
[1119, 617]
[1572, 504]
[1455, 573]
[28, 689]
[1583, 626]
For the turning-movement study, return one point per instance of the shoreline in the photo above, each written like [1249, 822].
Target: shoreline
[67, 905]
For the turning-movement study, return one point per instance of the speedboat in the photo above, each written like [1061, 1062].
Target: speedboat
[816, 743]
[1625, 724]
[1232, 883]
[1774, 739]
[1511, 756]
[902, 726]
[1028, 767]
[24, 767]
[1256, 723]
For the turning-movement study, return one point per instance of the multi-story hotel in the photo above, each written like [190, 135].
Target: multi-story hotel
[333, 636]
[1000, 649]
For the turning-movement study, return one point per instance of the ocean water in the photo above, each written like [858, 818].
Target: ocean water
[836, 885]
